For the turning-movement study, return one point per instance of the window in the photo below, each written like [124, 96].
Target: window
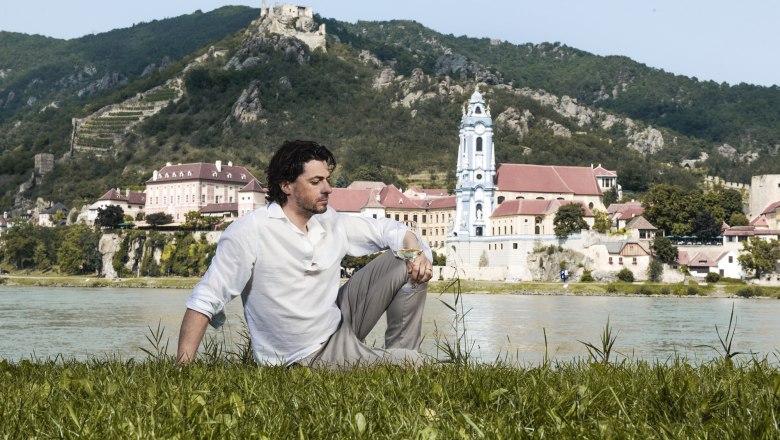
[425, 218]
[620, 260]
[397, 217]
[203, 198]
[731, 259]
[414, 217]
[479, 144]
[501, 199]
[610, 260]
[374, 215]
[479, 231]
[514, 245]
[478, 110]
[424, 232]
[633, 261]
[406, 217]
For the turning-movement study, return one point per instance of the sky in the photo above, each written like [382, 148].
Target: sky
[724, 41]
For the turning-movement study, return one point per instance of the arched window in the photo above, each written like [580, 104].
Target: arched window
[478, 110]
[590, 205]
[479, 144]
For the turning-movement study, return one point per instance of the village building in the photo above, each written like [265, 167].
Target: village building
[131, 202]
[55, 215]
[639, 228]
[251, 197]
[622, 213]
[182, 188]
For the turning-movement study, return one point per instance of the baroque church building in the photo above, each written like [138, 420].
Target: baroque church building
[503, 213]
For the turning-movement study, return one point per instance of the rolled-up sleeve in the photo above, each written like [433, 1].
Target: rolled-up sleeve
[227, 275]
[368, 235]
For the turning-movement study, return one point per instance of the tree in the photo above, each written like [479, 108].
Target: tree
[18, 245]
[602, 221]
[706, 226]
[626, 275]
[78, 252]
[610, 196]
[159, 218]
[110, 216]
[569, 219]
[655, 270]
[670, 208]
[664, 249]
[759, 256]
[738, 219]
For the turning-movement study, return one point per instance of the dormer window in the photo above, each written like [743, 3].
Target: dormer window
[213, 174]
[181, 173]
[229, 176]
[243, 177]
[189, 173]
[166, 175]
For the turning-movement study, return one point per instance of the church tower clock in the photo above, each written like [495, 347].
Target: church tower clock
[476, 170]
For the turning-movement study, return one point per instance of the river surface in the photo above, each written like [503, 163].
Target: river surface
[41, 323]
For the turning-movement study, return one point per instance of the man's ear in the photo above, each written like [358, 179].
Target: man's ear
[285, 187]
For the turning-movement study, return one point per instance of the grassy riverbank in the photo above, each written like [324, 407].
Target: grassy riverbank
[470, 286]
[154, 399]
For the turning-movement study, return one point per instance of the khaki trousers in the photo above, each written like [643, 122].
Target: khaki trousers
[380, 287]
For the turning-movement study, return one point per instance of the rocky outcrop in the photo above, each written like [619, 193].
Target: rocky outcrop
[460, 67]
[108, 81]
[384, 78]
[647, 141]
[248, 107]
[254, 50]
[545, 263]
[515, 121]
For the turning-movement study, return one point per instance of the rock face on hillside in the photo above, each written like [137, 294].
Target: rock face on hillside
[462, 68]
[248, 107]
[515, 121]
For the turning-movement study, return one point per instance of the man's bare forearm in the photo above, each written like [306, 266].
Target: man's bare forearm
[193, 327]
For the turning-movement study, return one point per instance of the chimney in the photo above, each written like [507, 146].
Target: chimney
[127, 192]
[219, 166]
[167, 164]
[230, 163]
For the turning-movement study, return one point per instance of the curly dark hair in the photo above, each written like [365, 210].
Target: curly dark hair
[287, 164]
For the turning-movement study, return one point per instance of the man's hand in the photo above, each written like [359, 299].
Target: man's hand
[420, 269]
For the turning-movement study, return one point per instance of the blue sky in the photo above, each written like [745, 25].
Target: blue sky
[731, 41]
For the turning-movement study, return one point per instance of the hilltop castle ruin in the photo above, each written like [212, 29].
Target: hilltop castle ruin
[294, 21]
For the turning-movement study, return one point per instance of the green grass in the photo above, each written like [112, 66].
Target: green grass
[128, 399]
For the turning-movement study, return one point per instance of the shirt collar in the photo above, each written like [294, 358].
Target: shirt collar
[316, 229]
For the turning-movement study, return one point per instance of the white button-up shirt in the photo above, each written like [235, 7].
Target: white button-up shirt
[288, 280]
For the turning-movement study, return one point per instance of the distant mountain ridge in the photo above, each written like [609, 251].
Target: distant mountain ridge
[386, 96]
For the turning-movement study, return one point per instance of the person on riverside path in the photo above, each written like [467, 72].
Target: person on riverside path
[284, 261]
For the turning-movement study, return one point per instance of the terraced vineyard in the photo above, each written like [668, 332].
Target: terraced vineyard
[100, 131]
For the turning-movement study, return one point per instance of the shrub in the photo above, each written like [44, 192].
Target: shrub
[586, 276]
[644, 290]
[611, 288]
[750, 291]
[692, 290]
[626, 275]
[665, 290]
[712, 277]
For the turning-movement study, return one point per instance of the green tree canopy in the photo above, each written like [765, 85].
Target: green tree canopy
[602, 221]
[759, 256]
[569, 219]
[110, 216]
[159, 218]
[79, 251]
[664, 249]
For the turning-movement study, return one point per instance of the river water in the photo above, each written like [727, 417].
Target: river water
[40, 323]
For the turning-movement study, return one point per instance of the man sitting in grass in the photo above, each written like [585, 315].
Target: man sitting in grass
[284, 261]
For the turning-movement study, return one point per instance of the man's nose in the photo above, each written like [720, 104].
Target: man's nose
[327, 189]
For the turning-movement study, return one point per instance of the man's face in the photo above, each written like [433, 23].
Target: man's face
[308, 194]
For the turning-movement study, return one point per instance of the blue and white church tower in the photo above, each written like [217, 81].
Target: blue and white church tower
[476, 172]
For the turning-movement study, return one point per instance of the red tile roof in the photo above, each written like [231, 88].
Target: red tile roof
[391, 197]
[759, 221]
[771, 207]
[534, 207]
[253, 186]
[547, 179]
[439, 203]
[219, 207]
[132, 197]
[350, 200]
[202, 171]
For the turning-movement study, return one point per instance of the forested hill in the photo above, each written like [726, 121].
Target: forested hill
[386, 96]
